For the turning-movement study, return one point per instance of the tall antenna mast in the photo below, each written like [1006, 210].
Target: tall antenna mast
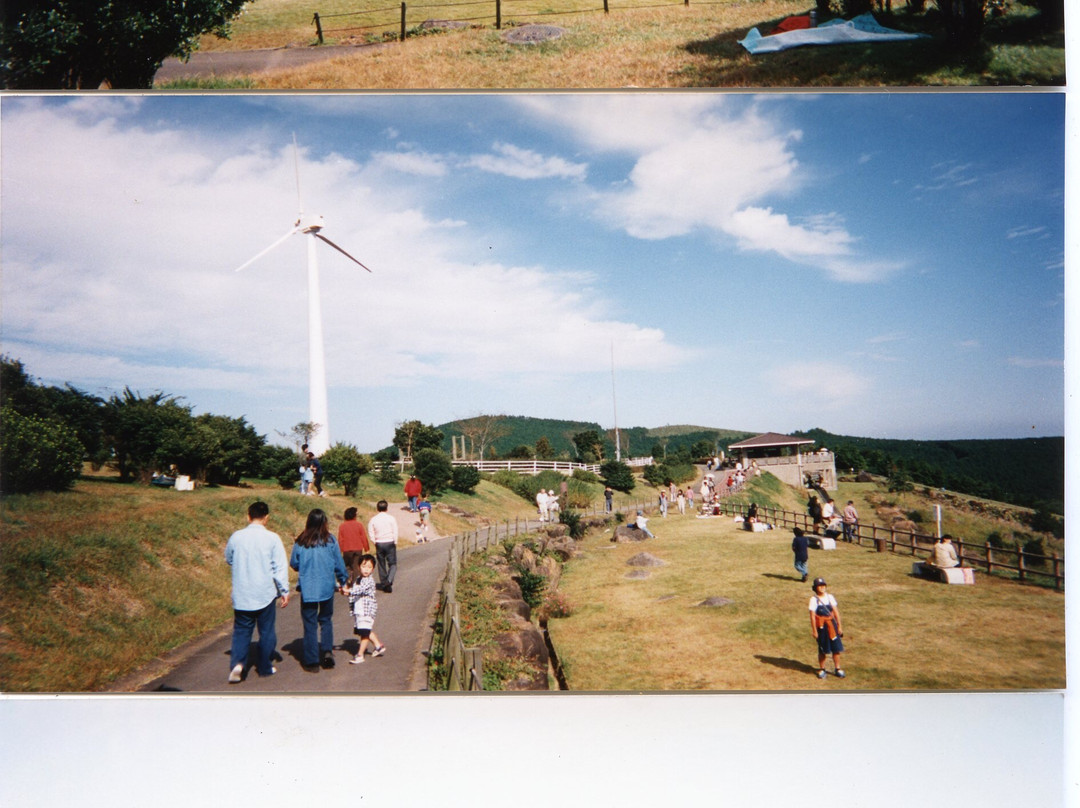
[614, 405]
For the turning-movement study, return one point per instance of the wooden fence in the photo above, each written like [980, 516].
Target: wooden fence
[399, 20]
[1026, 567]
[464, 666]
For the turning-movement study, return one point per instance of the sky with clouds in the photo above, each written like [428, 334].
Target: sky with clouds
[887, 265]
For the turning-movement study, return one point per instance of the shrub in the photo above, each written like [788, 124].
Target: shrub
[434, 469]
[994, 539]
[1033, 551]
[556, 604]
[281, 464]
[464, 479]
[532, 587]
[38, 454]
[585, 476]
[618, 475]
[915, 515]
[507, 479]
[344, 465]
[388, 473]
[572, 520]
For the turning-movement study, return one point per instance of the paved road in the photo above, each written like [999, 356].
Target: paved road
[211, 64]
[403, 624]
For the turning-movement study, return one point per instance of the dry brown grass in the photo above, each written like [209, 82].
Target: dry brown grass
[902, 633]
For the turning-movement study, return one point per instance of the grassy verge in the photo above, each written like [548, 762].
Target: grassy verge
[902, 633]
[674, 46]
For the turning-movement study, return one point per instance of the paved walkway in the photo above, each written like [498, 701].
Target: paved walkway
[404, 625]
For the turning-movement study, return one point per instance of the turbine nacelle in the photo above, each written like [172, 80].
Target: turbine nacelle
[310, 224]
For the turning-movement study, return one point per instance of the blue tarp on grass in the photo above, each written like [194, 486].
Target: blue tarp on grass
[863, 28]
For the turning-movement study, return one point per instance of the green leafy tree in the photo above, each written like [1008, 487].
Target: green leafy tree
[142, 431]
[464, 479]
[37, 454]
[519, 453]
[589, 445]
[544, 450]
[434, 470]
[238, 450]
[279, 463]
[412, 436]
[81, 45]
[618, 475]
[344, 465]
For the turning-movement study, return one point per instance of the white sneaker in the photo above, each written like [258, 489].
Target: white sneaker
[379, 651]
[357, 660]
[236, 674]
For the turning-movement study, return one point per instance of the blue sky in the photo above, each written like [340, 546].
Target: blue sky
[887, 265]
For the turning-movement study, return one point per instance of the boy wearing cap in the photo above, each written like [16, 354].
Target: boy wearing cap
[826, 628]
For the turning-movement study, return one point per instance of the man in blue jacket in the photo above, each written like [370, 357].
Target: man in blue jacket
[260, 573]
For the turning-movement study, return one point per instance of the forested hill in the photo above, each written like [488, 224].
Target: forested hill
[514, 431]
[1025, 471]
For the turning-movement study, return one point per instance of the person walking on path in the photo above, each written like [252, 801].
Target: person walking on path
[608, 495]
[663, 503]
[260, 574]
[851, 521]
[353, 541]
[826, 627]
[801, 547]
[363, 606]
[383, 530]
[413, 489]
[690, 497]
[542, 504]
[317, 557]
[680, 499]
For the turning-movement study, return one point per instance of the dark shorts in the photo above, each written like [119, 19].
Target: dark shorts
[362, 633]
[827, 645]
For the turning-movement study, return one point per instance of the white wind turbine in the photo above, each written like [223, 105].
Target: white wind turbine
[311, 225]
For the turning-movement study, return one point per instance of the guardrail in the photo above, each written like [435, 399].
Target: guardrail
[1028, 567]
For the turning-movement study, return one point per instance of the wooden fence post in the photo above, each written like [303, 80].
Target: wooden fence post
[1020, 569]
[989, 558]
[498, 14]
[1058, 577]
[403, 20]
[318, 27]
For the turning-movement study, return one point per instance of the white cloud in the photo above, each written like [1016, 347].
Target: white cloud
[120, 244]
[526, 164]
[948, 176]
[1026, 232]
[701, 164]
[418, 163]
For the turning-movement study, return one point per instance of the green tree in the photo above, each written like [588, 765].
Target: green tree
[137, 429]
[238, 450]
[344, 465]
[543, 449]
[81, 45]
[618, 475]
[279, 463]
[464, 479]
[38, 454]
[434, 469]
[412, 436]
[519, 453]
[589, 445]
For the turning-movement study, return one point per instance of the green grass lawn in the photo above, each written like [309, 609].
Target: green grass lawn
[901, 633]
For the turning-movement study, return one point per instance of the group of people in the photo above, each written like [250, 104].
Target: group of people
[311, 473]
[326, 564]
[414, 494]
[547, 503]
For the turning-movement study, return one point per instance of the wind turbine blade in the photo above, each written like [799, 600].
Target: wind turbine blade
[321, 237]
[248, 263]
[296, 165]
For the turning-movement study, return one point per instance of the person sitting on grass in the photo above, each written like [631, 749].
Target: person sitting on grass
[943, 556]
[826, 627]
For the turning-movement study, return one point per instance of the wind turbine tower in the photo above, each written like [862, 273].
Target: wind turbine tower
[311, 226]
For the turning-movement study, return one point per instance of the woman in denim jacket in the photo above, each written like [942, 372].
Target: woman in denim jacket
[317, 557]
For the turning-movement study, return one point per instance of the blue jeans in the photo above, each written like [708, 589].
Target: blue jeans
[318, 619]
[244, 625]
[386, 555]
[412, 504]
[849, 530]
[801, 568]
